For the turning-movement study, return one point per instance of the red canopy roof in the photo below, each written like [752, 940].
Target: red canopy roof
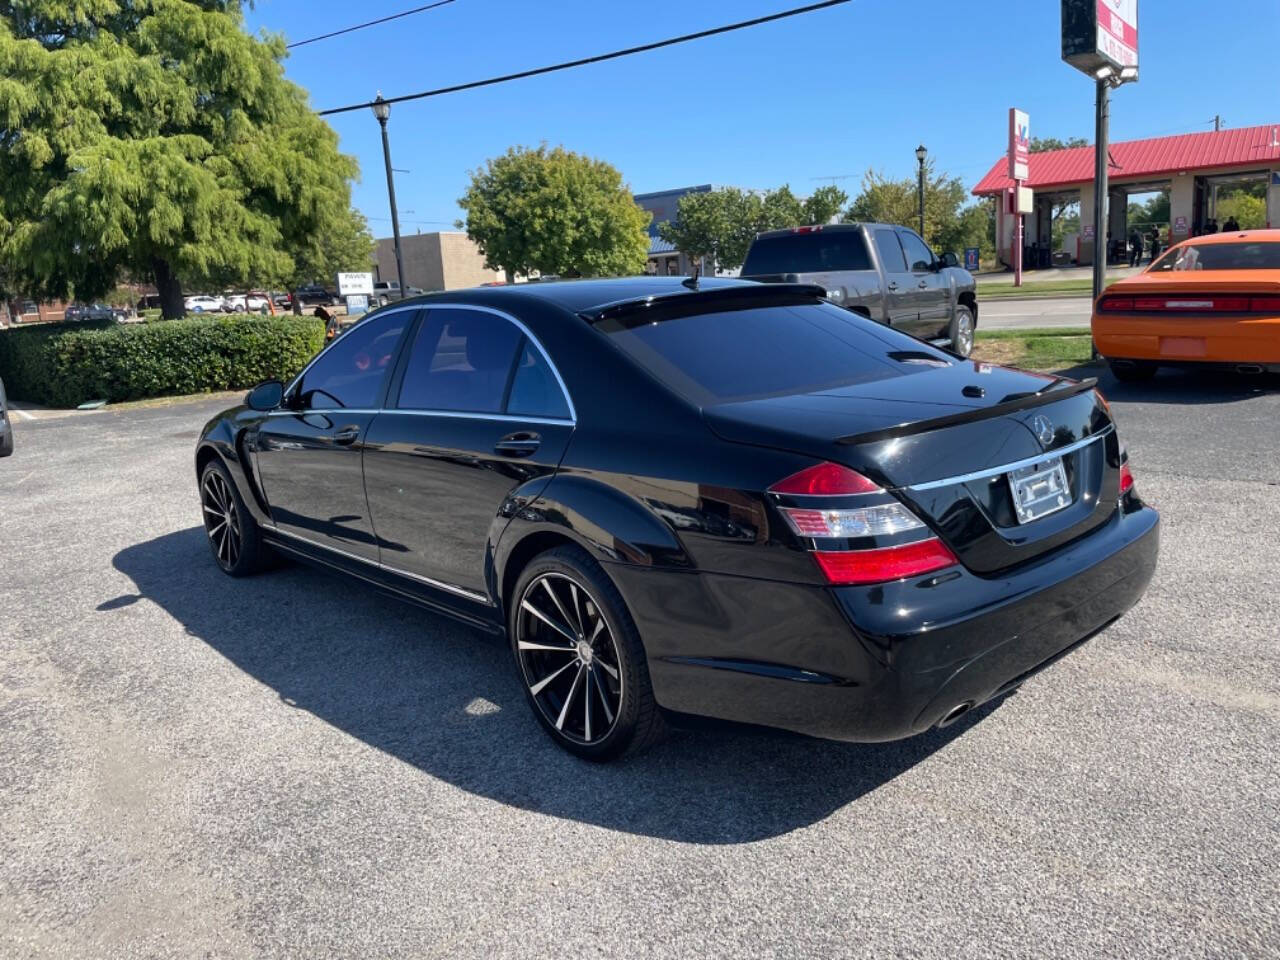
[1143, 159]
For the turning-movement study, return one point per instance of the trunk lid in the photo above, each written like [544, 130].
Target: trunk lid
[944, 439]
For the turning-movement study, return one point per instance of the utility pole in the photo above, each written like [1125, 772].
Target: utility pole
[921, 153]
[1217, 123]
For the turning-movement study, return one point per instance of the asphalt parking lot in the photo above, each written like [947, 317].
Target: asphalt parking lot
[294, 766]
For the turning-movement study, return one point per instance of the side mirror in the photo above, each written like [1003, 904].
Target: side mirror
[950, 260]
[266, 396]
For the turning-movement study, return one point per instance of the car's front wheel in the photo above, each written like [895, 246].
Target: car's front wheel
[234, 536]
[580, 658]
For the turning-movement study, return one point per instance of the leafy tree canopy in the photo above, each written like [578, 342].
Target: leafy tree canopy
[555, 212]
[156, 137]
[719, 225]
[1041, 144]
[949, 224]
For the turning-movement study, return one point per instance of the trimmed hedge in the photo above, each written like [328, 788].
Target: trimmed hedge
[68, 364]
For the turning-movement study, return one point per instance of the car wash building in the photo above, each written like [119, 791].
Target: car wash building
[1196, 171]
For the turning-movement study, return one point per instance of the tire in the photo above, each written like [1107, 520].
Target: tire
[961, 331]
[234, 536]
[605, 658]
[1132, 371]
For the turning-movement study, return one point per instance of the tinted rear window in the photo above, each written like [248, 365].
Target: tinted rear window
[821, 252]
[768, 351]
[1220, 256]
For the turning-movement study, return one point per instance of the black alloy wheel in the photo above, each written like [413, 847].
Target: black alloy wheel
[580, 658]
[233, 534]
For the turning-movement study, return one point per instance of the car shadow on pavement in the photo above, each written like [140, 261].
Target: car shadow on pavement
[1182, 387]
[445, 698]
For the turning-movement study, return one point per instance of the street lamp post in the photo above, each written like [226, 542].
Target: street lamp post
[921, 153]
[382, 110]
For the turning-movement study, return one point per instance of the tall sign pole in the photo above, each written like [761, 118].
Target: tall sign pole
[1019, 173]
[1100, 38]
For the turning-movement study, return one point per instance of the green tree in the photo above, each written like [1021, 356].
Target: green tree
[1249, 209]
[951, 222]
[554, 211]
[719, 225]
[1042, 144]
[155, 137]
[347, 246]
[824, 204]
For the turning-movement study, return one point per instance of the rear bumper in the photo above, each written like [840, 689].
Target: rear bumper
[884, 662]
[1230, 340]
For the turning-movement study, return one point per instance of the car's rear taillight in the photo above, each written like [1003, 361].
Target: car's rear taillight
[845, 514]
[1264, 304]
[885, 563]
[826, 480]
[1115, 303]
[1126, 473]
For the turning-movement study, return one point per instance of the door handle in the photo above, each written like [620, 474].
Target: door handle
[924, 284]
[520, 444]
[893, 284]
[346, 436]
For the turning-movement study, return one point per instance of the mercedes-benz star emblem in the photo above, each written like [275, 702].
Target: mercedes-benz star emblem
[1042, 427]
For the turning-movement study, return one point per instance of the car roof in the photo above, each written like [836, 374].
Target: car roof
[581, 296]
[826, 228]
[1235, 236]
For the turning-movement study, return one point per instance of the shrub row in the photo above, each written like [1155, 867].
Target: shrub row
[69, 364]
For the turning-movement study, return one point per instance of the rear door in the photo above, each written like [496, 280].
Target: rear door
[931, 289]
[899, 292]
[309, 452]
[479, 410]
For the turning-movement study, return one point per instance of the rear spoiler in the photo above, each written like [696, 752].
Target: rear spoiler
[697, 300]
[1021, 401]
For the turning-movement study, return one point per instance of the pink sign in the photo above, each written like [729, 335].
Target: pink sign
[1019, 145]
[1118, 31]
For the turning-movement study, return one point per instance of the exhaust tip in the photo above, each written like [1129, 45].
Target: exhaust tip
[955, 713]
[1250, 368]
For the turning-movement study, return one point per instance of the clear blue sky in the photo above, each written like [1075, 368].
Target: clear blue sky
[834, 92]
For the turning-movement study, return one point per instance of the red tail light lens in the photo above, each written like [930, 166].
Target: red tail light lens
[1116, 303]
[1192, 303]
[1126, 478]
[884, 563]
[1265, 304]
[825, 480]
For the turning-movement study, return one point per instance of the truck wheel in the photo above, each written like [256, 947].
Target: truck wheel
[962, 331]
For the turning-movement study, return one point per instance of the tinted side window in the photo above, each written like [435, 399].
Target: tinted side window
[890, 251]
[351, 372]
[918, 253]
[460, 360]
[534, 390]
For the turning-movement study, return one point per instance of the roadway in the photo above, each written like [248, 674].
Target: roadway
[1046, 312]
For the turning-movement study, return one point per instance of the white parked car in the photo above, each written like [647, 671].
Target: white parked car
[202, 303]
[240, 302]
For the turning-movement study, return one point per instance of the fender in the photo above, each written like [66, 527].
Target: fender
[224, 437]
[611, 526]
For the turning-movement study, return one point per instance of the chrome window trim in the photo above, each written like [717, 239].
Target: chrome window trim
[1016, 465]
[465, 415]
[438, 584]
[520, 325]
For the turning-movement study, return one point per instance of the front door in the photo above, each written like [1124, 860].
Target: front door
[899, 295]
[930, 287]
[309, 452]
[479, 411]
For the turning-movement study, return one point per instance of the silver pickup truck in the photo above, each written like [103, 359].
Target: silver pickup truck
[882, 271]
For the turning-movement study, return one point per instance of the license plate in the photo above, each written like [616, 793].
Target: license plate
[1039, 490]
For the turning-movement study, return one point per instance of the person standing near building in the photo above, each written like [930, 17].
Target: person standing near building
[1154, 237]
[1135, 246]
[1231, 226]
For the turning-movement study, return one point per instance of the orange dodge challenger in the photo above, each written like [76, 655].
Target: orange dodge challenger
[1209, 301]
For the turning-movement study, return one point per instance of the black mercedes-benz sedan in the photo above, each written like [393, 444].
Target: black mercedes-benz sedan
[676, 498]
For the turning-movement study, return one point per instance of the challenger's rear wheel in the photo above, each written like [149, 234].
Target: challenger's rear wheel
[580, 657]
[234, 537]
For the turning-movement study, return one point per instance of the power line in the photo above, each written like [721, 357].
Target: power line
[371, 23]
[600, 58]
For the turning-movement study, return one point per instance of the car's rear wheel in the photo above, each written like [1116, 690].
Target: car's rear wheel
[580, 658]
[1132, 371]
[233, 534]
[962, 331]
